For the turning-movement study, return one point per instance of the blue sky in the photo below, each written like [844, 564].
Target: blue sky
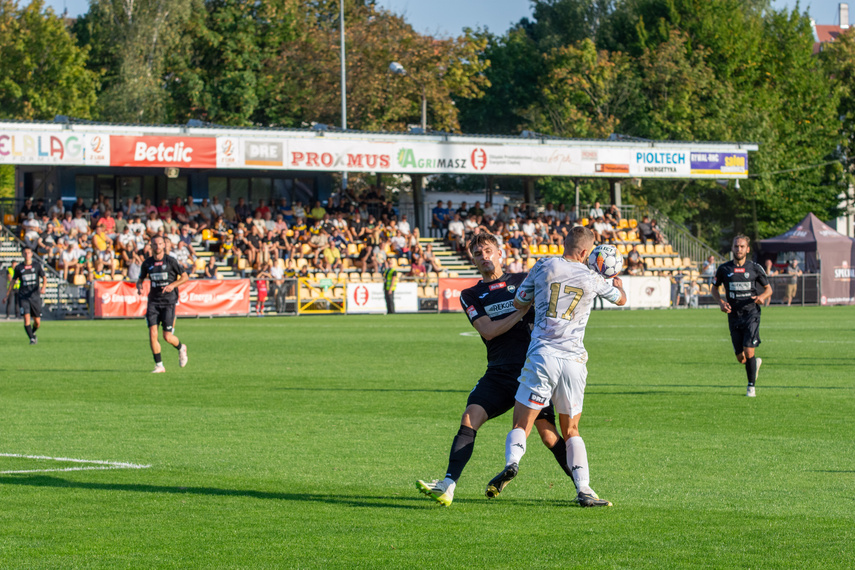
[449, 17]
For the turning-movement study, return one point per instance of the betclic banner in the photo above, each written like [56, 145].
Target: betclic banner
[200, 297]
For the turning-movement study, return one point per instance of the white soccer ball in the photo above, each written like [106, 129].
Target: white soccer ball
[606, 260]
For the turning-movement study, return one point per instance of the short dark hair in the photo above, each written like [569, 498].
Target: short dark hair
[481, 239]
[742, 237]
[577, 236]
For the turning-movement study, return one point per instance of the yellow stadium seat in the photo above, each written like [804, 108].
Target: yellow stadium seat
[648, 262]
[280, 263]
[687, 262]
[530, 262]
[289, 233]
[543, 249]
[633, 224]
[621, 236]
[624, 223]
[352, 250]
[657, 262]
[200, 264]
[533, 249]
[9, 219]
[242, 263]
[622, 249]
[669, 249]
[207, 235]
[561, 249]
[667, 262]
[584, 221]
[354, 277]
[306, 249]
[80, 279]
[553, 248]
[659, 249]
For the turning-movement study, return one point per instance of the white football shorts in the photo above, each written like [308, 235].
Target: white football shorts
[546, 377]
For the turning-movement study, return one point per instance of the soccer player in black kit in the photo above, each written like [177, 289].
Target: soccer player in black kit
[165, 274]
[742, 280]
[506, 332]
[29, 294]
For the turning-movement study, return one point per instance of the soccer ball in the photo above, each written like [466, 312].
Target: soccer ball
[606, 260]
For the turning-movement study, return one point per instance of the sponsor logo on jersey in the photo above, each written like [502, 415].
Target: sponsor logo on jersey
[739, 270]
[482, 295]
[536, 399]
[499, 285]
[741, 286]
[471, 311]
[511, 288]
[499, 309]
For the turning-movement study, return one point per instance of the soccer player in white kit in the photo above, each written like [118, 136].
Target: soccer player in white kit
[563, 290]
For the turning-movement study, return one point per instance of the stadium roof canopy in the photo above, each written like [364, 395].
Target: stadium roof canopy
[325, 149]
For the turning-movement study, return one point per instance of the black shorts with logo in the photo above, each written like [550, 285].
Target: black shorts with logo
[163, 315]
[744, 332]
[496, 392]
[31, 306]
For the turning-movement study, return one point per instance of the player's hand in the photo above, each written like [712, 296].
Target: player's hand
[617, 282]
[725, 307]
[168, 288]
[757, 300]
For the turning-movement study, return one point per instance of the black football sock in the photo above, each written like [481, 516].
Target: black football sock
[179, 346]
[35, 327]
[559, 450]
[157, 359]
[461, 452]
[751, 369]
[29, 330]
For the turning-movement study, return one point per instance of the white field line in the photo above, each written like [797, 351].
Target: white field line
[94, 464]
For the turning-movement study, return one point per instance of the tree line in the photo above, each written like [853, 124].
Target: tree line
[706, 70]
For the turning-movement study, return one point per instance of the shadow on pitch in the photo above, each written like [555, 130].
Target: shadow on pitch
[416, 501]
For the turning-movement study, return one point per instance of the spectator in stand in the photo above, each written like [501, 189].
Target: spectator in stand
[404, 226]
[607, 230]
[793, 273]
[148, 209]
[211, 271]
[193, 212]
[489, 211]
[80, 223]
[505, 215]
[109, 223]
[476, 210]
[67, 223]
[217, 209]
[456, 232]
[439, 219]
[708, 270]
[179, 211]
[227, 246]
[365, 258]
[229, 213]
[528, 228]
[515, 243]
[125, 238]
[418, 270]
[26, 210]
[68, 260]
[277, 287]
[634, 262]
[318, 211]
[243, 248]
[136, 208]
[154, 225]
[299, 210]
[463, 210]
[58, 209]
[399, 244]
[657, 234]
[163, 208]
[121, 223]
[99, 272]
[261, 209]
[331, 257]
[645, 231]
[550, 211]
[242, 210]
[170, 225]
[612, 215]
[284, 248]
[596, 211]
[693, 291]
[516, 265]
[183, 254]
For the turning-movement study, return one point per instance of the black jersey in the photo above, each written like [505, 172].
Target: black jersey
[740, 285]
[496, 300]
[30, 276]
[161, 273]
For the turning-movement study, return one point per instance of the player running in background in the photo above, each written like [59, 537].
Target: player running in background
[741, 279]
[29, 293]
[506, 333]
[563, 290]
[166, 275]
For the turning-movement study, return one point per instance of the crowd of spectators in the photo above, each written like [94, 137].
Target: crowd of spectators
[97, 241]
[522, 229]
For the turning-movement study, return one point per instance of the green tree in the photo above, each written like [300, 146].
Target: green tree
[42, 71]
[130, 43]
[307, 81]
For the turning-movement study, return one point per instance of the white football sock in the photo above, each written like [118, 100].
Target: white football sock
[449, 483]
[577, 461]
[514, 446]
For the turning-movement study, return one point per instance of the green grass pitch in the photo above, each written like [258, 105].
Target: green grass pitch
[296, 442]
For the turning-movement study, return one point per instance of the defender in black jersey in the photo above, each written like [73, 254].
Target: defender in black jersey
[506, 332]
[29, 294]
[165, 274]
[746, 288]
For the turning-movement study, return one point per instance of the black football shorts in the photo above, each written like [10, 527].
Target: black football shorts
[496, 392]
[161, 315]
[31, 306]
[745, 332]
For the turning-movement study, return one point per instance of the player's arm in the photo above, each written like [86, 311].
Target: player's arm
[767, 288]
[490, 329]
[618, 284]
[44, 281]
[143, 275]
[723, 305]
[182, 277]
